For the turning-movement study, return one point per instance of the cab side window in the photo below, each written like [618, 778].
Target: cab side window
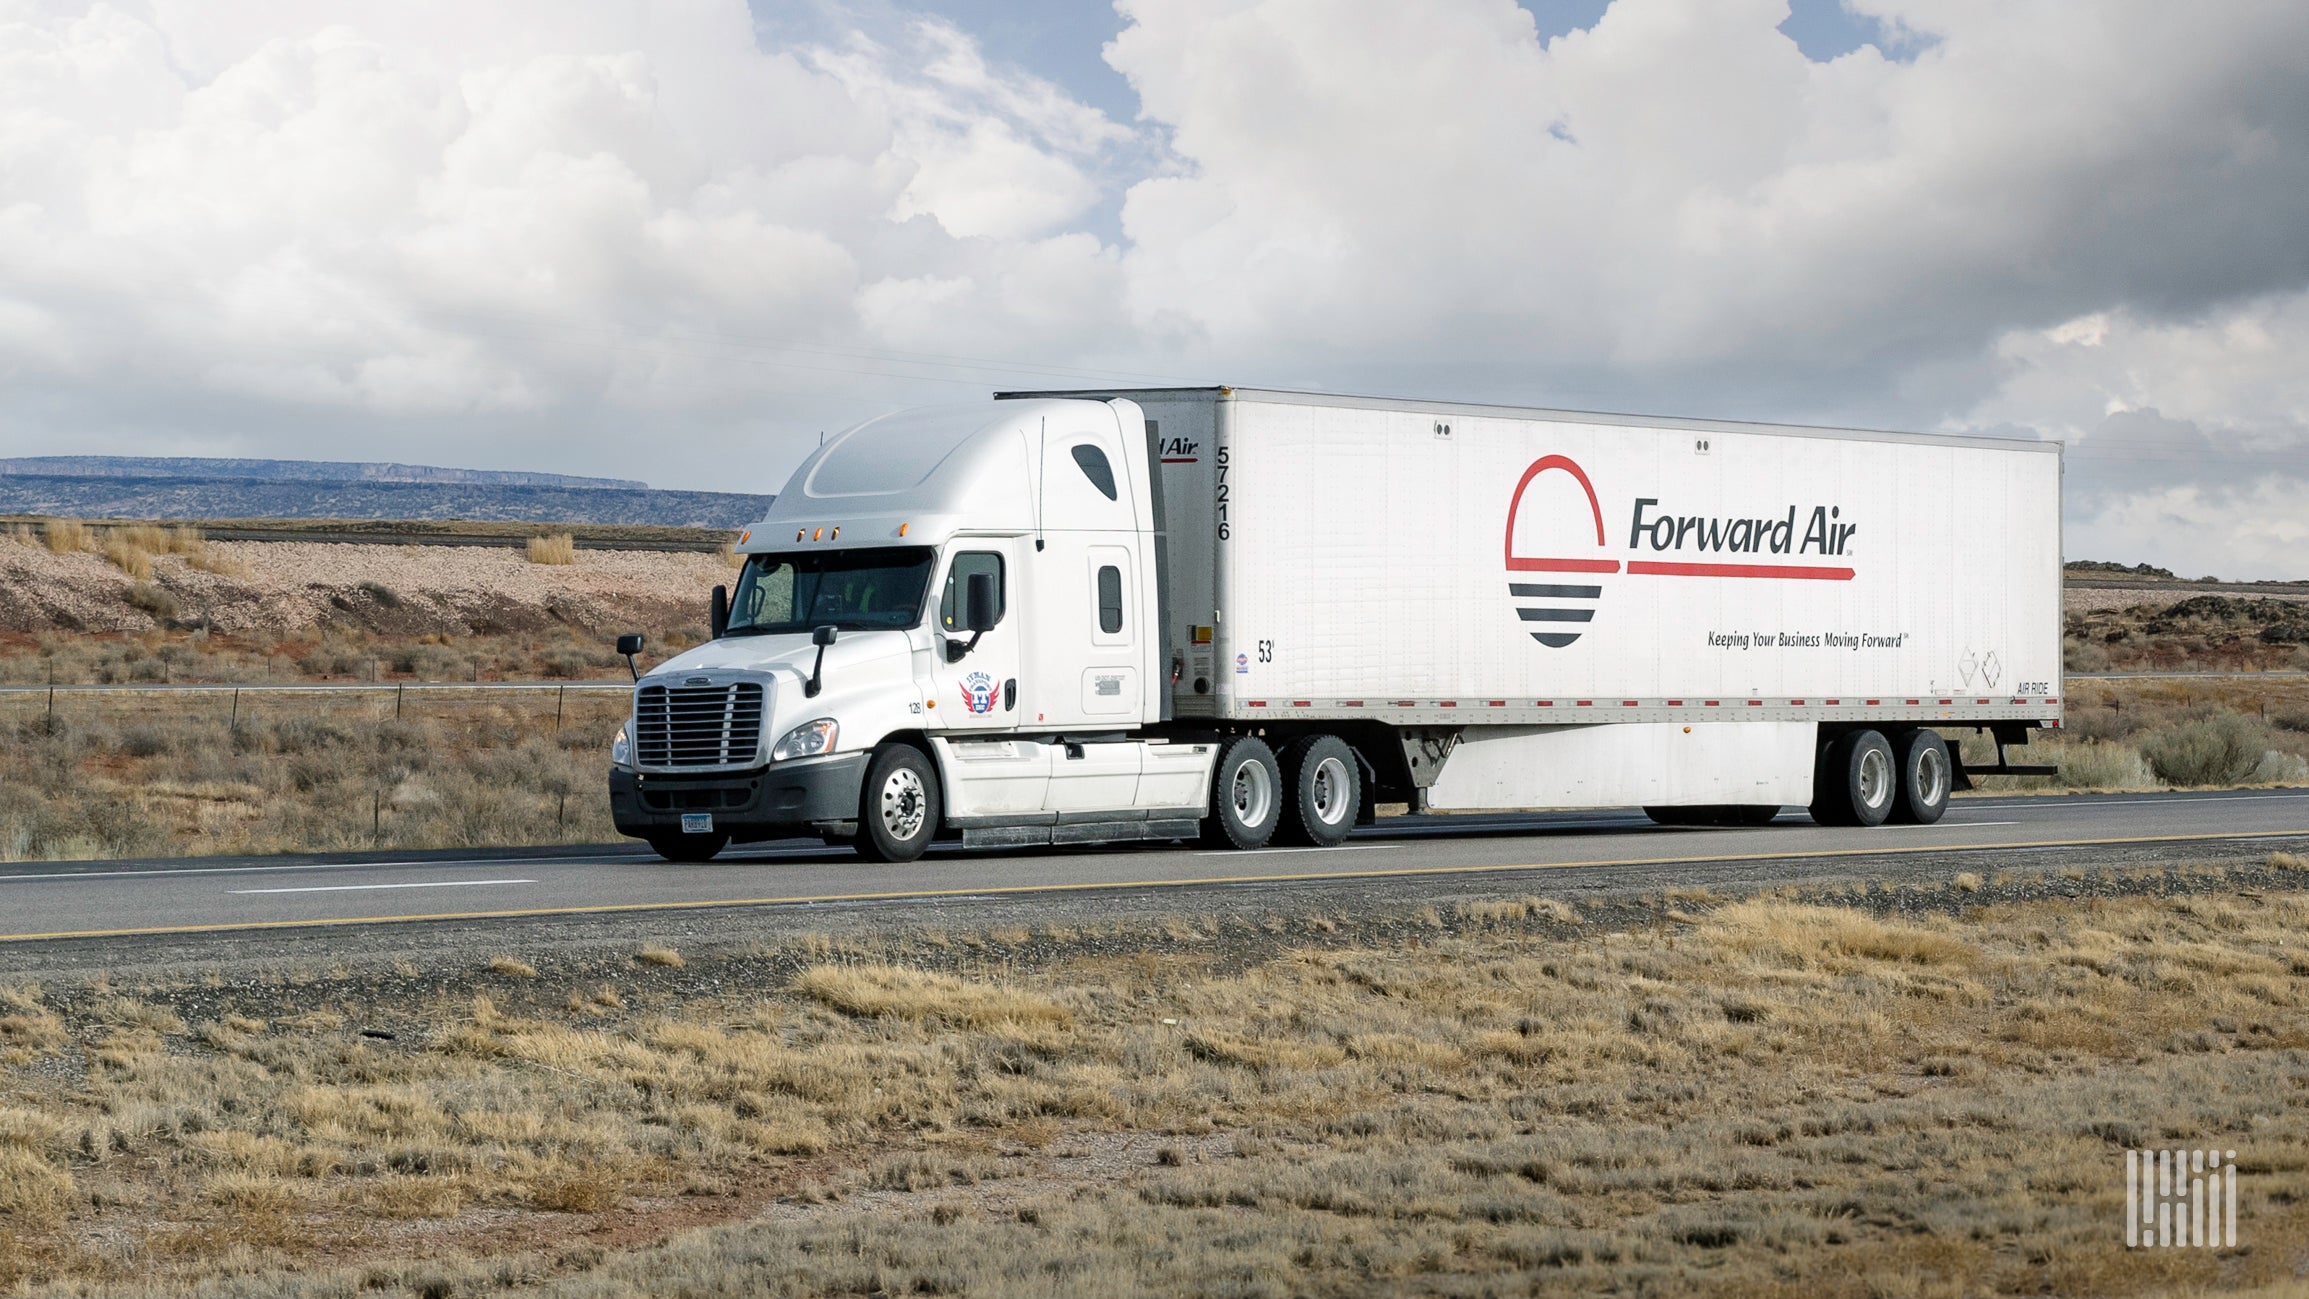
[1094, 466]
[958, 580]
[1109, 599]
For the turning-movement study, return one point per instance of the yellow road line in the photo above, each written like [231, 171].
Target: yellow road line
[1387, 872]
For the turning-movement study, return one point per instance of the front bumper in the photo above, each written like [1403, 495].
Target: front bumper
[783, 800]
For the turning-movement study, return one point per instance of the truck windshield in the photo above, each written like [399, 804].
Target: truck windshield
[855, 590]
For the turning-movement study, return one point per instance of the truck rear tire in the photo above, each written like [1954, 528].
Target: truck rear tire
[1246, 795]
[1324, 790]
[1926, 775]
[1857, 782]
[898, 807]
[688, 847]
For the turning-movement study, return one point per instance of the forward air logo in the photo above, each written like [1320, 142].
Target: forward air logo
[978, 693]
[1556, 550]
[1556, 520]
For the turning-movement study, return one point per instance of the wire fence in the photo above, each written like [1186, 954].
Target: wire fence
[566, 703]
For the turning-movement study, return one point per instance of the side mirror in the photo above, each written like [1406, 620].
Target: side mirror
[721, 612]
[820, 637]
[979, 608]
[629, 645]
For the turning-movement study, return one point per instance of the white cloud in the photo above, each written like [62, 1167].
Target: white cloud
[2188, 438]
[287, 226]
[576, 233]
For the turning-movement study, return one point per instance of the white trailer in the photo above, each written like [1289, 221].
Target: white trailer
[1232, 614]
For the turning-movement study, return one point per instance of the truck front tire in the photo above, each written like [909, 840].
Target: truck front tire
[1926, 775]
[1246, 795]
[898, 808]
[1324, 790]
[1857, 782]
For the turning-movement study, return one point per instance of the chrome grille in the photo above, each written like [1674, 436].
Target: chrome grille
[697, 726]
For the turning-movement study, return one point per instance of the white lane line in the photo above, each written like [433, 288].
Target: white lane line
[363, 888]
[323, 866]
[1948, 825]
[2054, 803]
[1261, 852]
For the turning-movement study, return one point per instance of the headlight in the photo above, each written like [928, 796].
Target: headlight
[621, 748]
[806, 741]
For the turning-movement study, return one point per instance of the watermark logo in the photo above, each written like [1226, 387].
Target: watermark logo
[2180, 1198]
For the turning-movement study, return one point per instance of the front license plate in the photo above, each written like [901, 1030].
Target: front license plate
[697, 823]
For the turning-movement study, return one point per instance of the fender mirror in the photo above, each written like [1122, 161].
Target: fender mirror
[721, 612]
[820, 637]
[629, 645]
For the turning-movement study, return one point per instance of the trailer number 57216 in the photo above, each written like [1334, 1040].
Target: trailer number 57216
[1221, 457]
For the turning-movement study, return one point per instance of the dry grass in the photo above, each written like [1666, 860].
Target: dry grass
[64, 536]
[886, 991]
[128, 557]
[512, 967]
[201, 774]
[662, 957]
[1773, 1099]
[560, 548]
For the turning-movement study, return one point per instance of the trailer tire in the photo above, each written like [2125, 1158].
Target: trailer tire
[1246, 795]
[1857, 782]
[688, 847]
[898, 807]
[1926, 776]
[1324, 789]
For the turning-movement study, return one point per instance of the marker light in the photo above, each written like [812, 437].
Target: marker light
[746, 536]
[799, 533]
[902, 528]
[837, 533]
[819, 535]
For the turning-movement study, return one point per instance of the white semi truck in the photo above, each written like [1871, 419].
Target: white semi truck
[1237, 615]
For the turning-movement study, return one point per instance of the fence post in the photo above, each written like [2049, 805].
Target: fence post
[234, 727]
[397, 703]
[560, 699]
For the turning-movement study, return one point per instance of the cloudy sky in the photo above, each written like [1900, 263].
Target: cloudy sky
[674, 239]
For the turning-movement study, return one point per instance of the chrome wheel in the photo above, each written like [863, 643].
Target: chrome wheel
[1931, 777]
[1331, 791]
[1253, 794]
[904, 802]
[1875, 777]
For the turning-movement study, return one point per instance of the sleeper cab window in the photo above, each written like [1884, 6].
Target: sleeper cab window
[1096, 468]
[1109, 599]
[958, 582]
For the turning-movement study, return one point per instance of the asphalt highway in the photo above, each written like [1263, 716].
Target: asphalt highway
[93, 900]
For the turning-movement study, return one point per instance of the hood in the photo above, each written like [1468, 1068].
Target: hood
[794, 653]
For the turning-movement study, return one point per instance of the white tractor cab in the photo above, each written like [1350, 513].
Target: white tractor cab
[949, 620]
